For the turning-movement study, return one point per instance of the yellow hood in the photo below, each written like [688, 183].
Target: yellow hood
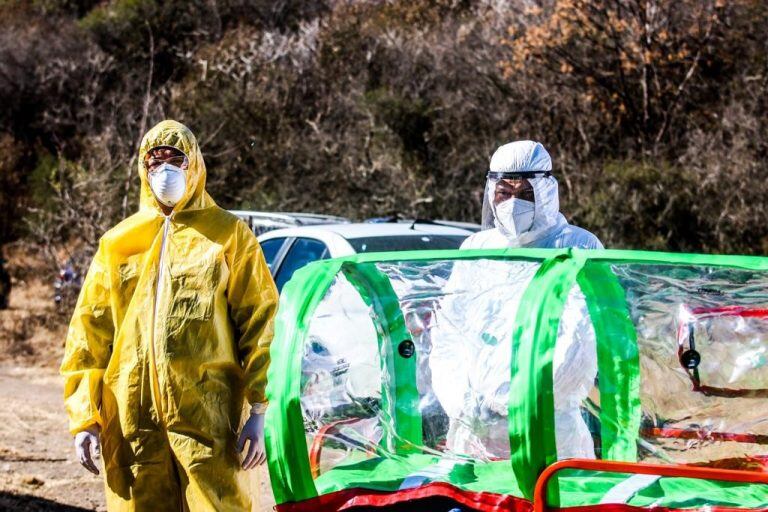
[174, 134]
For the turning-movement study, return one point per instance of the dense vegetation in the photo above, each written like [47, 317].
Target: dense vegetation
[655, 111]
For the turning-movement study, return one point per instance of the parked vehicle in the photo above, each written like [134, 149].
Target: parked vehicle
[405, 220]
[287, 250]
[262, 222]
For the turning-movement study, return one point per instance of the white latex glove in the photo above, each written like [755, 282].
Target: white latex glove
[87, 447]
[253, 432]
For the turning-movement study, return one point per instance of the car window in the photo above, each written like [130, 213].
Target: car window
[302, 252]
[405, 242]
[271, 248]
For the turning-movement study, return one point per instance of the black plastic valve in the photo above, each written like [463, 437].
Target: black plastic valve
[406, 348]
[690, 359]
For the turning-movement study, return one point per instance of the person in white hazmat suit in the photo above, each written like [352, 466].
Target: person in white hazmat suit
[472, 335]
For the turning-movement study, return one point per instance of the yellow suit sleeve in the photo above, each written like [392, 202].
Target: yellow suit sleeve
[88, 347]
[252, 297]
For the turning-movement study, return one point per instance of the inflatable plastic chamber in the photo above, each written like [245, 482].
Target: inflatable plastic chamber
[521, 380]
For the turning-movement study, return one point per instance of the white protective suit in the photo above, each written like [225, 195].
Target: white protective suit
[472, 336]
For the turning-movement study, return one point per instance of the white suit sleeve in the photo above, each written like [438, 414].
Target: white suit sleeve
[447, 362]
[575, 369]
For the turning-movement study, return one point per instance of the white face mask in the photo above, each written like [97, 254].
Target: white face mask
[515, 217]
[168, 183]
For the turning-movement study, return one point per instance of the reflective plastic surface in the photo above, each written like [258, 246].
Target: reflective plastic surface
[408, 376]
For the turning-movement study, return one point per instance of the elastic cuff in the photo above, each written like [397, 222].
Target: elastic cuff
[259, 408]
[89, 425]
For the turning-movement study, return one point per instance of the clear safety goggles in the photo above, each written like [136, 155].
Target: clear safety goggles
[506, 185]
[153, 163]
[501, 186]
[518, 175]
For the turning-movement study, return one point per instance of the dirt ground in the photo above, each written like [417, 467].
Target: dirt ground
[38, 470]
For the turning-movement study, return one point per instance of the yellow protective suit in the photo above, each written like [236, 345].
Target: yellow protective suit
[170, 335]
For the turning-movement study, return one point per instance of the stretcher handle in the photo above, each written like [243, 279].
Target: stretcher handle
[669, 470]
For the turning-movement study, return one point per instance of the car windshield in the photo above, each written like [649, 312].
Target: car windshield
[405, 242]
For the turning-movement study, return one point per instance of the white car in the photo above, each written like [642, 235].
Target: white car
[261, 222]
[287, 250]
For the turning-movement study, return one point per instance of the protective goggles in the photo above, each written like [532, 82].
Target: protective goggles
[518, 175]
[153, 162]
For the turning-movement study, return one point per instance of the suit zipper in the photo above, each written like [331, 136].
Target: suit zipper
[158, 293]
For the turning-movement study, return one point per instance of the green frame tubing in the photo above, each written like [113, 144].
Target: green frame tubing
[531, 411]
[377, 293]
[618, 362]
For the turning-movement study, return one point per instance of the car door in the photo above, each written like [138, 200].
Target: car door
[274, 250]
[301, 252]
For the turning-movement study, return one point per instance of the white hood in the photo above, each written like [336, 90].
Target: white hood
[532, 161]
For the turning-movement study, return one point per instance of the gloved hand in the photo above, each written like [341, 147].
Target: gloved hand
[497, 404]
[253, 432]
[87, 446]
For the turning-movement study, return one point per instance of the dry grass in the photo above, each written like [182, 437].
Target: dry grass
[31, 330]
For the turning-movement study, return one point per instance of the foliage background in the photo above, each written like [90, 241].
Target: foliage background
[655, 111]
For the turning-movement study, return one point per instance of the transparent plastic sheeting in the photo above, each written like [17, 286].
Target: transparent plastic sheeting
[461, 379]
[406, 376]
[722, 420]
[460, 318]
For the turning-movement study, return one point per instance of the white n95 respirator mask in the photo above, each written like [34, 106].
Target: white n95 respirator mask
[168, 183]
[515, 216]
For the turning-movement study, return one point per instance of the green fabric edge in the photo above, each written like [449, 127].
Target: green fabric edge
[531, 405]
[584, 488]
[376, 291]
[607, 255]
[579, 487]
[618, 361]
[287, 455]
[387, 474]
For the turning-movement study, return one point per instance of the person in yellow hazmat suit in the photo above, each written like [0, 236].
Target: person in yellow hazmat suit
[169, 338]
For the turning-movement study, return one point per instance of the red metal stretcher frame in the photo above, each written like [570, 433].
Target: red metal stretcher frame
[685, 333]
[316, 450]
[668, 470]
